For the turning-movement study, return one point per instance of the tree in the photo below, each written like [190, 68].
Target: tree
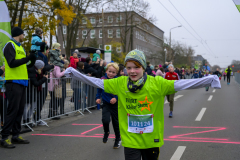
[93, 43]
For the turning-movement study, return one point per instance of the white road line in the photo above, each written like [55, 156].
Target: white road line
[214, 91]
[178, 153]
[175, 98]
[200, 115]
[210, 98]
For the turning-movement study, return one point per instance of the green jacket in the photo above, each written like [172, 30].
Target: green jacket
[55, 58]
[228, 71]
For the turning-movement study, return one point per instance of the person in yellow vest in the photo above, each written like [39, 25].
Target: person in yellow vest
[141, 103]
[16, 77]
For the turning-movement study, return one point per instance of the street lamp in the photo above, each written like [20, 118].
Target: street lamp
[170, 33]
[103, 23]
[165, 53]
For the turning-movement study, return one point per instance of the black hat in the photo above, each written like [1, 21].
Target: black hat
[43, 48]
[16, 31]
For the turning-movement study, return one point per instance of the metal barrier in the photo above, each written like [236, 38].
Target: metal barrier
[55, 98]
[237, 77]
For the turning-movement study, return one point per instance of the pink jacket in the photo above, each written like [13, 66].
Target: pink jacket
[55, 74]
[159, 73]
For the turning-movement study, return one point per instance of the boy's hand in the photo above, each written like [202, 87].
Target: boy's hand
[98, 101]
[113, 100]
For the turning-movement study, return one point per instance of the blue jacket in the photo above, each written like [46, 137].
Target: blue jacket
[35, 39]
[195, 75]
[106, 97]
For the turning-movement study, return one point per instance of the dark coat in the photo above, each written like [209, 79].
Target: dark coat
[88, 69]
[35, 84]
[148, 70]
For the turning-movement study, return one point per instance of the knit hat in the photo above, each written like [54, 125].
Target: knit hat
[160, 66]
[152, 67]
[39, 64]
[56, 45]
[16, 31]
[137, 56]
[98, 51]
[170, 65]
[38, 31]
[43, 48]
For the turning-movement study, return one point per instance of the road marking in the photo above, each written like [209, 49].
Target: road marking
[200, 115]
[178, 153]
[210, 98]
[214, 91]
[175, 98]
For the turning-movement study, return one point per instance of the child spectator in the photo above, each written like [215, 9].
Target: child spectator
[96, 55]
[37, 40]
[74, 60]
[55, 57]
[3, 100]
[110, 106]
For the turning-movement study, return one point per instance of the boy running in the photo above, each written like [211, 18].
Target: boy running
[110, 106]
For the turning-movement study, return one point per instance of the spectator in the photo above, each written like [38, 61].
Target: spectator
[3, 100]
[148, 70]
[16, 77]
[156, 68]
[88, 69]
[55, 56]
[165, 67]
[160, 72]
[37, 78]
[195, 75]
[153, 72]
[96, 55]
[37, 40]
[121, 72]
[76, 85]
[56, 98]
[74, 60]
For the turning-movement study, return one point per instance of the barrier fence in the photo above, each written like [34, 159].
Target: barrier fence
[55, 98]
[237, 77]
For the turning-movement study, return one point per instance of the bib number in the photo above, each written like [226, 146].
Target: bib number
[140, 123]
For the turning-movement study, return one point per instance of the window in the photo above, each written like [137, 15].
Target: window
[100, 46]
[84, 21]
[119, 49]
[92, 34]
[84, 34]
[119, 18]
[118, 33]
[110, 33]
[100, 33]
[110, 19]
[64, 29]
[92, 20]
[100, 20]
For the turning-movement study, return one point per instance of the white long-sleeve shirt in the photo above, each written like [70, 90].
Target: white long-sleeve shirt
[183, 84]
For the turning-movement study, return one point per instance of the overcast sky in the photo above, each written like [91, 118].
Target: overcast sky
[217, 22]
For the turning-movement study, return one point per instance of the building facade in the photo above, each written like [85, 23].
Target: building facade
[125, 31]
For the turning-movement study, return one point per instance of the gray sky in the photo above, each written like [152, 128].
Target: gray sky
[217, 22]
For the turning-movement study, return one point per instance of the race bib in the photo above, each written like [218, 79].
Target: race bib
[140, 123]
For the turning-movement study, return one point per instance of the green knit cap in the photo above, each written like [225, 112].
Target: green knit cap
[137, 56]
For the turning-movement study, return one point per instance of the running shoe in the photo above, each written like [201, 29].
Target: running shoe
[7, 143]
[105, 137]
[19, 140]
[170, 114]
[117, 143]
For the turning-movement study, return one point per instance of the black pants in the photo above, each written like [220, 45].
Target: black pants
[54, 104]
[110, 110]
[228, 79]
[41, 96]
[16, 101]
[145, 154]
[224, 77]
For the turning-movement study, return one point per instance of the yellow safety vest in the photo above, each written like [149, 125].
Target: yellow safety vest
[20, 72]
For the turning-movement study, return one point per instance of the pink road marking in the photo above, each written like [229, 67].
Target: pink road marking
[86, 124]
[59, 135]
[92, 129]
[194, 127]
[217, 139]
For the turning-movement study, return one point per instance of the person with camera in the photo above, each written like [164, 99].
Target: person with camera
[89, 67]
[16, 77]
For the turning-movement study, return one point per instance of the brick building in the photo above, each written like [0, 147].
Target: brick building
[124, 30]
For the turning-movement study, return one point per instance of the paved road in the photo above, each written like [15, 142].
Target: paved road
[205, 126]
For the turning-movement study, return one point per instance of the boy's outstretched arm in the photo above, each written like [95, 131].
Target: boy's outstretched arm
[95, 82]
[211, 80]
